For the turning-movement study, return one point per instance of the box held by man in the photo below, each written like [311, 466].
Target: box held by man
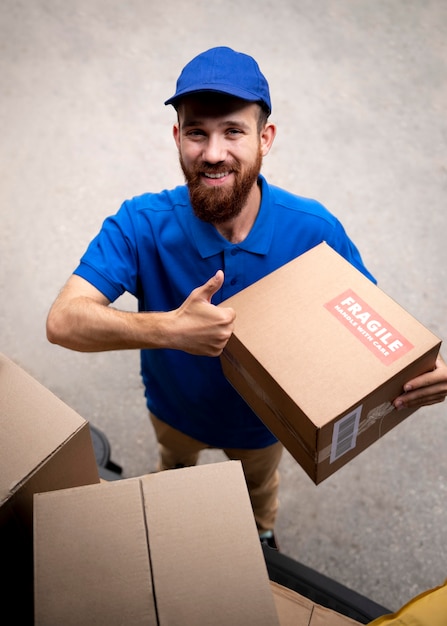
[319, 352]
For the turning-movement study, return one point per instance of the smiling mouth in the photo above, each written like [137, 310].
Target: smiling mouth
[216, 175]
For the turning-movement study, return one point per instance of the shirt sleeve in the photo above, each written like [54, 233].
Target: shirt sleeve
[110, 262]
[342, 244]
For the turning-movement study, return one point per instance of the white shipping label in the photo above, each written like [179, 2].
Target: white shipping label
[344, 436]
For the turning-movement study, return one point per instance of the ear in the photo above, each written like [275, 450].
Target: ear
[267, 136]
[176, 134]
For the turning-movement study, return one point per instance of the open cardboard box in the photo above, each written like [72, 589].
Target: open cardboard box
[176, 547]
[319, 352]
[44, 445]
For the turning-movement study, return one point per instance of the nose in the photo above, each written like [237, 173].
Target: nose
[214, 150]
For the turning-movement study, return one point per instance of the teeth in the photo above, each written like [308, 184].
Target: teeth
[221, 175]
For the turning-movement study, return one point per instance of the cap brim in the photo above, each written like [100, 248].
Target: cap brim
[223, 89]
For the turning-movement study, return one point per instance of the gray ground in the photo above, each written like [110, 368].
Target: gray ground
[359, 95]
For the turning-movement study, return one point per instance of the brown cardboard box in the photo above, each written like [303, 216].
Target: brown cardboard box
[296, 610]
[44, 445]
[320, 352]
[177, 547]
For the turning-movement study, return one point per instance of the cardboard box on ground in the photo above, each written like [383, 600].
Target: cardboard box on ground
[44, 446]
[177, 547]
[319, 352]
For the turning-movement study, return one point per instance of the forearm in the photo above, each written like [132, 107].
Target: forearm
[88, 326]
[82, 319]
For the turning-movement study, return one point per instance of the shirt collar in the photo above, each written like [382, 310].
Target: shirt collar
[210, 242]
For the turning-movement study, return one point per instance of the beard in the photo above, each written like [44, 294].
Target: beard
[220, 204]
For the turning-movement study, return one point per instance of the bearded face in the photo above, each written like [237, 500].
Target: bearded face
[220, 203]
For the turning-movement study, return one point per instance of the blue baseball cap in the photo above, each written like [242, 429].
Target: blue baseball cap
[222, 70]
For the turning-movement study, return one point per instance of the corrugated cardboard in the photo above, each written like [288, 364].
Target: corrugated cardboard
[296, 610]
[320, 352]
[44, 445]
[177, 547]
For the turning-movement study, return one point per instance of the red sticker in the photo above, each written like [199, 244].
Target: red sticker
[369, 327]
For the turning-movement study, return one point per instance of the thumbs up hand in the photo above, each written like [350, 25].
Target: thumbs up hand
[201, 327]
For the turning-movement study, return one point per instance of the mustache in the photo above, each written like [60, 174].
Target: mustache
[218, 168]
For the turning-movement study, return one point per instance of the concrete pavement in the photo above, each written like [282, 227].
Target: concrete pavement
[359, 95]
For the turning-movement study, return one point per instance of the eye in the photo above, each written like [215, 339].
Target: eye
[234, 131]
[195, 133]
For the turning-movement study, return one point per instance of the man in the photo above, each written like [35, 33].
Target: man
[183, 251]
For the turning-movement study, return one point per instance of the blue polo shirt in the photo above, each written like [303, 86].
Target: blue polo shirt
[156, 249]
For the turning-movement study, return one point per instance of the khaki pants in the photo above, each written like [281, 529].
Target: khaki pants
[260, 467]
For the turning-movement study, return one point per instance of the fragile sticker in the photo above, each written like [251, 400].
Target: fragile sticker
[369, 327]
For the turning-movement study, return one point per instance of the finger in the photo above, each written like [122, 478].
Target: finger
[421, 397]
[417, 402]
[213, 285]
[437, 375]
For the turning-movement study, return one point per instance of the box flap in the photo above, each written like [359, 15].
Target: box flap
[215, 573]
[32, 420]
[94, 539]
[296, 610]
[293, 609]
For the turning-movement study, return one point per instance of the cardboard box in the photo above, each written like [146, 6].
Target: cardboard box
[319, 353]
[177, 547]
[296, 610]
[44, 445]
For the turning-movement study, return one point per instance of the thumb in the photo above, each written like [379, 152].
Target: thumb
[213, 285]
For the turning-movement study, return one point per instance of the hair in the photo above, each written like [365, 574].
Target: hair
[263, 116]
